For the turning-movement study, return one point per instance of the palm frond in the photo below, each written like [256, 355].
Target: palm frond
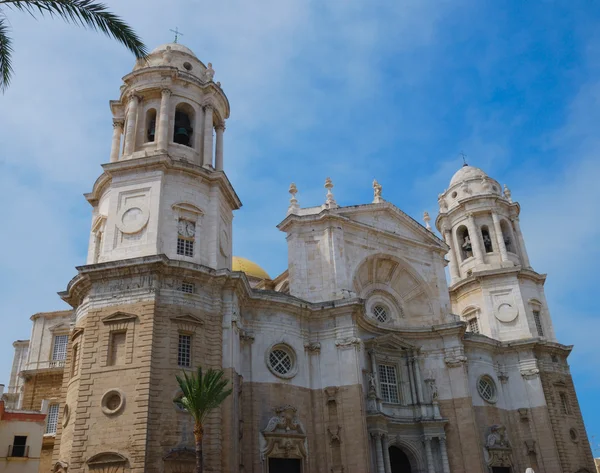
[202, 392]
[85, 13]
[5, 55]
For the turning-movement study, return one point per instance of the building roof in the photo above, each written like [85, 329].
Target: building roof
[250, 268]
[465, 173]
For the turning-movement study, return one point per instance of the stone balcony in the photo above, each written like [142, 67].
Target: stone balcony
[33, 368]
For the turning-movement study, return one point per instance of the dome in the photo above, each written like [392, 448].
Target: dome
[466, 173]
[174, 47]
[248, 267]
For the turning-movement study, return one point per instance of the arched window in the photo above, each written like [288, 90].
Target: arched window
[507, 235]
[487, 241]
[184, 125]
[150, 125]
[464, 242]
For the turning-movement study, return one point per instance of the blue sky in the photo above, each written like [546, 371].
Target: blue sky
[391, 90]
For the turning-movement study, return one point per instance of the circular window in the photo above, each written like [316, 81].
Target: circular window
[66, 414]
[454, 194]
[573, 435]
[380, 313]
[113, 402]
[494, 188]
[187, 66]
[281, 361]
[487, 389]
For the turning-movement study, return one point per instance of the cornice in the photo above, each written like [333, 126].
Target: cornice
[478, 276]
[175, 75]
[496, 200]
[164, 162]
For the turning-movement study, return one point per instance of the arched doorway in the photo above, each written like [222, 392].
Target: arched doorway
[399, 461]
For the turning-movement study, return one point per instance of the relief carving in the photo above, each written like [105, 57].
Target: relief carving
[284, 436]
[498, 449]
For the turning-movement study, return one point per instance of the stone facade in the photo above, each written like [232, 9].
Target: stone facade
[360, 357]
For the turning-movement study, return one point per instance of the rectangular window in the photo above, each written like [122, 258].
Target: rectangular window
[388, 383]
[19, 446]
[187, 287]
[75, 361]
[538, 323]
[59, 352]
[116, 355]
[52, 419]
[185, 247]
[473, 325]
[184, 352]
[564, 404]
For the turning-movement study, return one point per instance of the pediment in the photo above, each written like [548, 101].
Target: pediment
[76, 333]
[187, 207]
[187, 319]
[107, 458]
[388, 218]
[390, 341]
[119, 317]
[62, 327]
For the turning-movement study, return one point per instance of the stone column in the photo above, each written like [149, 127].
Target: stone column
[164, 119]
[418, 381]
[130, 133]
[379, 453]
[116, 140]
[499, 237]
[386, 454]
[454, 274]
[517, 230]
[429, 455]
[411, 379]
[444, 452]
[219, 147]
[475, 236]
[208, 135]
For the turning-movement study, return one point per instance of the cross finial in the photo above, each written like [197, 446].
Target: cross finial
[177, 34]
[464, 158]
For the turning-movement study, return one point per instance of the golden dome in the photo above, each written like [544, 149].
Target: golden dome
[248, 267]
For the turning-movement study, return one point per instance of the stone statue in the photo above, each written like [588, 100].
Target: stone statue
[372, 381]
[167, 55]
[377, 199]
[529, 470]
[210, 72]
[497, 437]
[507, 193]
[433, 389]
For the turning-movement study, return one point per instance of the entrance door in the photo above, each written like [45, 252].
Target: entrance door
[501, 469]
[399, 461]
[285, 465]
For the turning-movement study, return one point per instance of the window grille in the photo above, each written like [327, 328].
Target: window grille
[52, 419]
[59, 352]
[473, 325]
[280, 360]
[380, 313]
[185, 247]
[538, 323]
[486, 389]
[187, 287]
[388, 383]
[184, 352]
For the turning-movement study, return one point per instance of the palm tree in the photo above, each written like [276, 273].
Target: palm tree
[201, 394]
[85, 13]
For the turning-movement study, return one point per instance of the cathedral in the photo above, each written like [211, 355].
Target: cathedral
[361, 357]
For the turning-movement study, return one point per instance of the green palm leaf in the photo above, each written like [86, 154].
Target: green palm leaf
[5, 53]
[85, 13]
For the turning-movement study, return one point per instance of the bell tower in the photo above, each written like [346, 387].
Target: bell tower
[164, 190]
[492, 285]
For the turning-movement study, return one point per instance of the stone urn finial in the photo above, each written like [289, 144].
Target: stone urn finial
[330, 201]
[293, 208]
